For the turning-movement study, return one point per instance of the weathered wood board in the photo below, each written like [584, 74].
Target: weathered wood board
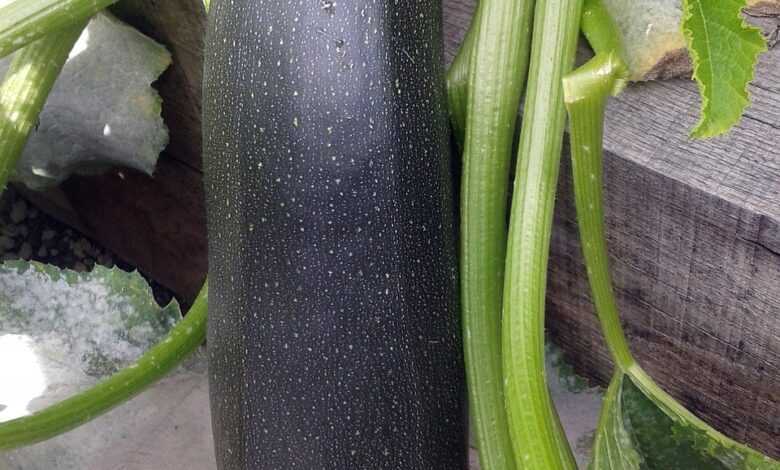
[693, 227]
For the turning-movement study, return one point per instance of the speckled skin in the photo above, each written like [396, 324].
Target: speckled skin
[333, 332]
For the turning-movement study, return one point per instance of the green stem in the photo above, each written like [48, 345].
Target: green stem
[600, 29]
[457, 81]
[537, 437]
[587, 90]
[24, 91]
[497, 70]
[183, 339]
[24, 21]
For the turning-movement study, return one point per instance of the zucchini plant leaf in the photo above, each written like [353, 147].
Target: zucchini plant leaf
[724, 51]
[642, 428]
[102, 111]
[62, 331]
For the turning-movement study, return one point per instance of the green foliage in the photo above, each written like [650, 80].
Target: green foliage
[102, 111]
[724, 51]
[642, 428]
[43, 296]
[537, 436]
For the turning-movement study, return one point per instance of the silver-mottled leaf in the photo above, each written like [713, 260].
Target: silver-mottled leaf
[642, 427]
[102, 111]
[61, 331]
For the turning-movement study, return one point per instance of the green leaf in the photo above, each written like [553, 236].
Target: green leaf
[92, 323]
[78, 327]
[724, 51]
[641, 427]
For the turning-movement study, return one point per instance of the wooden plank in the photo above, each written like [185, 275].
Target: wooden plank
[157, 224]
[693, 226]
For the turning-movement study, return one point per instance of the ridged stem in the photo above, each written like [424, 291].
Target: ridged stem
[458, 81]
[24, 21]
[24, 91]
[587, 90]
[497, 68]
[537, 436]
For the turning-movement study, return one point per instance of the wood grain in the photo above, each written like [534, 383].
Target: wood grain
[693, 228]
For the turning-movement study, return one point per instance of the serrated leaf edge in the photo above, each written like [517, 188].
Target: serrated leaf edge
[703, 128]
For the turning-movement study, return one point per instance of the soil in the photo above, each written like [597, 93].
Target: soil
[30, 234]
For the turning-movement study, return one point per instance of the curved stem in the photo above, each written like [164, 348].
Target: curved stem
[496, 71]
[24, 90]
[586, 92]
[24, 21]
[537, 436]
[600, 29]
[183, 339]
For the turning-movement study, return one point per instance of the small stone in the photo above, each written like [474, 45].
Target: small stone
[18, 211]
[105, 260]
[55, 252]
[48, 234]
[78, 249]
[6, 243]
[42, 252]
[25, 252]
[80, 268]
[89, 248]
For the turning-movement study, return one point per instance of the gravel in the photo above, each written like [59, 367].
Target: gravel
[27, 233]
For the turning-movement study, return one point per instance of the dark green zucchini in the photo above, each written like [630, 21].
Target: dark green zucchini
[333, 317]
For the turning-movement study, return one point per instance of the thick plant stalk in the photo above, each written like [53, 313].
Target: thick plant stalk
[24, 21]
[24, 90]
[182, 340]
[537, 437]
[496, 72]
